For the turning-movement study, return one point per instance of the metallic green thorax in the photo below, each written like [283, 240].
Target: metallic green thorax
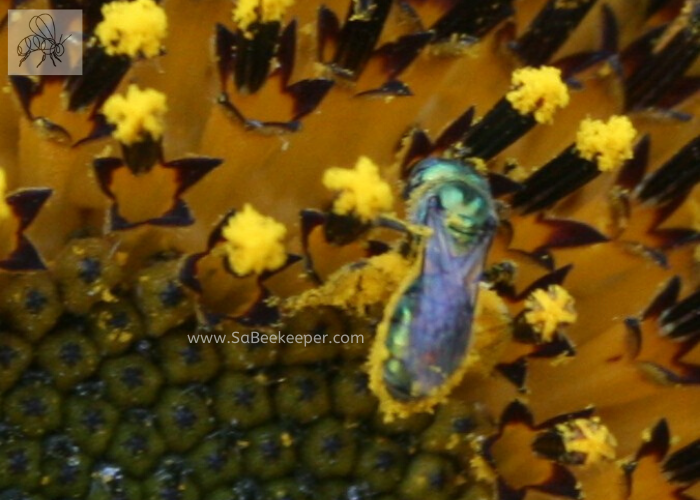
[430, 325]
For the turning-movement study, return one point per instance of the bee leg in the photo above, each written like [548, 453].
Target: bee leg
[396, 224]
[416, 233]
[391, 223]
[42, 60]
[501, 275]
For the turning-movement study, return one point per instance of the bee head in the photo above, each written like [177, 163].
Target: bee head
[437, 171]
[468, 214]
[457, 192]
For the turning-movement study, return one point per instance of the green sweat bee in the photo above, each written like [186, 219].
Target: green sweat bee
[429, 323]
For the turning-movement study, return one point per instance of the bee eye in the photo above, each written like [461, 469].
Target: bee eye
[451, 198]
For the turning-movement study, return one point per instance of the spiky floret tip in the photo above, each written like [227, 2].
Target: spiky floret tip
[589, 439]
[547, 309]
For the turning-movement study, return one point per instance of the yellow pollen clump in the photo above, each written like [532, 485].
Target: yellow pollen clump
[132, 28]
[547, 310]
[588, 437]
[4, 207]
[138, 115]
[254, 242]
[361, 191]
[608, 144]
[356, 289]
[247, 12]
[538, 91]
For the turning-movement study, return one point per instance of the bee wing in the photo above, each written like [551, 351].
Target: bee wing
[442, 303]
[43, 26]
[444, 255]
